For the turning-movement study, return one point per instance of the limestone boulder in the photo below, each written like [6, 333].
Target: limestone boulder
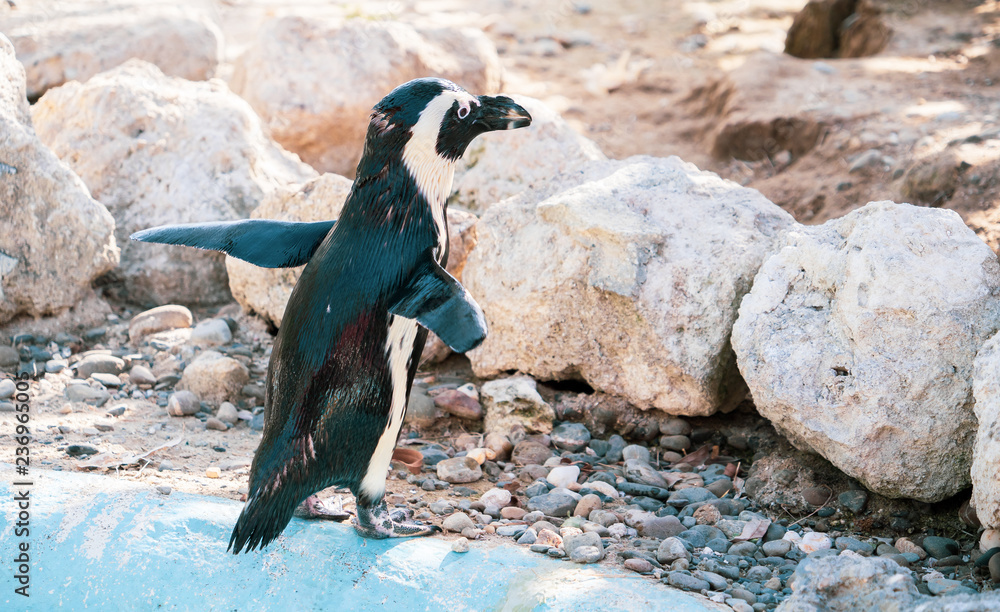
[851, 582]
[160, 150]
[626, 274]
[325, 119]
[986, 453]
[265, 291]
[858, 339]
[63, 45]
[54, 237]
[503, 164]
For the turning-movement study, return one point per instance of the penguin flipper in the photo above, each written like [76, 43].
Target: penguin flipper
[441, 304]
[263, 242]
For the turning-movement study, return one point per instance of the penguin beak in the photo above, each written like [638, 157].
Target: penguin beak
[501, 113]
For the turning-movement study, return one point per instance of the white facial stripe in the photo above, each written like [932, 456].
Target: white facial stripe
[398, 350]
[432, 173]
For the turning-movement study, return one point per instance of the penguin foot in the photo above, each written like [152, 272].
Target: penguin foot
[329, 510]
[377, 523]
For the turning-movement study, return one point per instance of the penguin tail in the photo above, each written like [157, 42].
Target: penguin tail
[264, 517]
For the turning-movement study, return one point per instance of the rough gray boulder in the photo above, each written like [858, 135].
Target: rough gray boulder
[506, 163]
[57, 45]
[858, 338]
[54, 238]
[849, 582]
[986, 454]
[626, 274]
[325, 119]
[160, 150]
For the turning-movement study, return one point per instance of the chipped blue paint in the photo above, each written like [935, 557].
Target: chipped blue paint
[101, 542]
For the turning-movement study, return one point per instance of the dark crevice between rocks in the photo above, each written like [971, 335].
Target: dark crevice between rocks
[837, 29]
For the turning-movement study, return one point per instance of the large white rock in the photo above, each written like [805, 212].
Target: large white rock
[60, 45]
[986, 453]
[54, 238]
[315, 81]
[626, 274]
[159, 150]
[506, 163]
[265, 291]
[858, 338]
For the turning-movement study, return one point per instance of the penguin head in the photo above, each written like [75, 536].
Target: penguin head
[430, 120]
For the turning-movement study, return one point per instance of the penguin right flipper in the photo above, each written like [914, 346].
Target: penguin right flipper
[263, 242]
[438, 302]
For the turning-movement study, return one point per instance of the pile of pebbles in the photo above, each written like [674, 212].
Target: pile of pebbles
[678, 519]
[143, 360]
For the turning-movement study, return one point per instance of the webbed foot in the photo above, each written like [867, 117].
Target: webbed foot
[329, 510]
[378, 523]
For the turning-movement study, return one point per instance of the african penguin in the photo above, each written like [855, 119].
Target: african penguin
[344, 359]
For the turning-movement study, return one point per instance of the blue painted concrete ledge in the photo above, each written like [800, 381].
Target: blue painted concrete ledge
[102, 542]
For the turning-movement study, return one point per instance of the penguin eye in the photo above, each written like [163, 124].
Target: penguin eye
[463, 110]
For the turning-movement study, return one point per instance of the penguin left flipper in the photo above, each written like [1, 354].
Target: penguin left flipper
[263, 242]
[438, 302]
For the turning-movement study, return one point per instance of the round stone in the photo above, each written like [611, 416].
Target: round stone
[634, 451]
[687, 582]
[720, 487]
[853, 500]
[496, 497]
[743, 549]
[776, 548]
[983, 560]
[758, 573]
[853, 544]
[816, 496]
[215, 424]
[459, 470]
[939, 547]
[457, 522]
[563, 476]
[671, 549]
[461, 545]
[638, 565]
[813, 541]
[573, 437]
[183, 403]
[553, 504]
[528, 452]
[587, 504]
[513, 513]
[585, 554]
[675, 443]
[707, 515]
[7, 388]
[674, 426]
[989, 539]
